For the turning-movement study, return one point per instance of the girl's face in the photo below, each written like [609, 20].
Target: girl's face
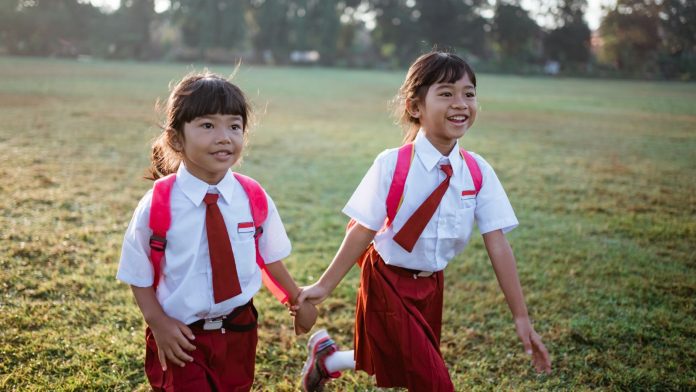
[211, 145]
[447, 112]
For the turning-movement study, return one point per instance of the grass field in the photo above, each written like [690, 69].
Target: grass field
[602, 175]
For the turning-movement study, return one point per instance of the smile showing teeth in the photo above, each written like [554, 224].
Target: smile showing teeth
[457, 118]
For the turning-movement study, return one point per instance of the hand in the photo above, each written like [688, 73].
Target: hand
[305, 317]
[533, 345]
[172, 338]
[315, 294]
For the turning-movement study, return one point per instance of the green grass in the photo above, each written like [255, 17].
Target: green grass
[602, 175]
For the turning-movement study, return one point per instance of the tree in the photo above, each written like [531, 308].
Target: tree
[453, 24]
[515, 32]
[397, 33]
[569, 43]
[209, 24]
[47, 27]
[631, 34]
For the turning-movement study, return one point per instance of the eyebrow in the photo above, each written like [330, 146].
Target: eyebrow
[235, 117]
[450, 85]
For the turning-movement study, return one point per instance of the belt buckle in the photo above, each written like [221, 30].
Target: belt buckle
[424, 274]
[212, 324]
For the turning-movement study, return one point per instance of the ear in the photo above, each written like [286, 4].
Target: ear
[412, 108]
[176, 143]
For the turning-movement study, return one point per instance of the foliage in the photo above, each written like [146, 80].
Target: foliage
[569, 43]
[517, 35]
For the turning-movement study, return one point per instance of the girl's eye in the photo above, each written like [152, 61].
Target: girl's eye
[207, 125]
[446, 94]
[470, 95]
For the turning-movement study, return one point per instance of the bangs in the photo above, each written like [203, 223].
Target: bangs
[441, 68]
[211, 95]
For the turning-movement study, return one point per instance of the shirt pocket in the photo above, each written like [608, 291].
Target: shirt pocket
[465, 217]
[244, 249]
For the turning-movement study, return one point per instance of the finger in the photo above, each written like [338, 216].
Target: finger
[182, 355]
[542, 354]
[173, 358]
[185, 343]
[301, 297]
[187, 331]
[162, 359]
[527, 344]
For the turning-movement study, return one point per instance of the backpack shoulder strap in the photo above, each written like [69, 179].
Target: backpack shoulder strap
[474, 169]
[160, 220]
[258, 204]
[257, 199]
[396, 190]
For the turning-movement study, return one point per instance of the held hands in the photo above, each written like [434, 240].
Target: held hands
[305, 315]
[533, 345]
[303, 308]
[172, 338]
[314, 294]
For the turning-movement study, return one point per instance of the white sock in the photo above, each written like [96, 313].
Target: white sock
[340, 360]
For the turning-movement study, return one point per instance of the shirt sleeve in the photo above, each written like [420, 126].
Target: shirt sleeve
[274, 244]
[493, 208]
[134, 266]
[368, 203]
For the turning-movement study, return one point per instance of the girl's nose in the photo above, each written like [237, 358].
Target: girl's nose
[223, 137]
[459, 103]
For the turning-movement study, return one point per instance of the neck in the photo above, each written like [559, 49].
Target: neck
[444, 146]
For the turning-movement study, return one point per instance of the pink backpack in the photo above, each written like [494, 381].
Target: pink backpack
[403, 164]
[160, 220]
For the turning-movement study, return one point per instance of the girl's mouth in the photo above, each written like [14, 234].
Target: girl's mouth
[458, 119]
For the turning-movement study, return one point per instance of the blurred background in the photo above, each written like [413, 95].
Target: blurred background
[609, 38]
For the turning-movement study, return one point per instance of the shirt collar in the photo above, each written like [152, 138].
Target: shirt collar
[430, 156]
[195, 189]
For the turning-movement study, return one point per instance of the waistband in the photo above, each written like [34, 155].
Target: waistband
[225, 322]
[409, 273]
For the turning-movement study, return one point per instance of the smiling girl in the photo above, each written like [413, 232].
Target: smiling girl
[412, 213]
[197, 300]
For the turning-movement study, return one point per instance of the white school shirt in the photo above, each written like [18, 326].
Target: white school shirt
[448, 231]
[185, 290]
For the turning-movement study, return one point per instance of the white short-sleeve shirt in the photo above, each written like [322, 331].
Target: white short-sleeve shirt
[449, 230]
[185, 288]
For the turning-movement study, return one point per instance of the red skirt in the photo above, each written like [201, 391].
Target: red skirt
[221, 361]
[398, 319]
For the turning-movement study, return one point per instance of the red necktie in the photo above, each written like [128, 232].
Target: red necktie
[414, 226]
[225, 279]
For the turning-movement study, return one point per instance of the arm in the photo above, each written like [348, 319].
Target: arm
[305, 313]
[282, 276]
[503, 261]
[356, 240]
[171, 335]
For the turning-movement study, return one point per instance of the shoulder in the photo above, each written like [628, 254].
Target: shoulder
[482, 163]
[387, 158]
[141, 214]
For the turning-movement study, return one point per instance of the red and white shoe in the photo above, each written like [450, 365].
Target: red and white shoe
[314, 372]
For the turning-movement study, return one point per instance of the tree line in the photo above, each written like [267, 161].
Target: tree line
[639, 38]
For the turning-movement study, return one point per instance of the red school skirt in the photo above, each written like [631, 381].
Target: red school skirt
[221, 361]
[398, 319]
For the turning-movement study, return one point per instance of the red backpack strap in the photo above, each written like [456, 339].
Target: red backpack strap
[395, 196]
[259, 212]
[160, 220]
[396, 190]
[474, 169]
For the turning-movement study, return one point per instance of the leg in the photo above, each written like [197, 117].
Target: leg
[324, 361]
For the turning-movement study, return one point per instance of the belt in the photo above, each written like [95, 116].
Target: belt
[225, 323]
[411, 273]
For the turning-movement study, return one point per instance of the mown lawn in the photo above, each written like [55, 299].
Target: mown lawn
[602, 175]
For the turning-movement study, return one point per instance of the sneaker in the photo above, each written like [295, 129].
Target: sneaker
[314, 373]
